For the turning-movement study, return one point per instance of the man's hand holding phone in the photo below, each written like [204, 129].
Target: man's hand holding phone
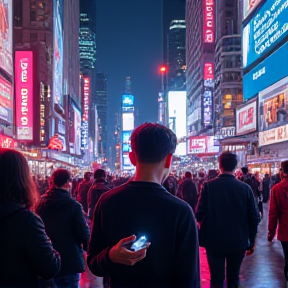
[128, 251]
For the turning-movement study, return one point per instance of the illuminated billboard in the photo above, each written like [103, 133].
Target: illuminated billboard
[264, 31]
[208, 71]
[127, 121]
[127, 100]
[177, 112]
[58, 54]
[266, 73]
[126, 163]
[75, 128]
[24, 94]
[126, 142]
[249, 6]
[85, 112]
[6, 100]
[202, 145]
[273, 113]
[207, 106]
[209, 21]
[246, 118]
[6, 36]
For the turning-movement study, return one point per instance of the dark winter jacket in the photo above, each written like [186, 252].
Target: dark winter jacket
[98, 188]
[82, 192]
[66, 226]
[187, 191]
[25, 250]
[228, 211]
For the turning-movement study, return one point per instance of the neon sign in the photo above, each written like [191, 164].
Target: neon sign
[209, 21]
[208, 71]
[85, 112]
[24, 94]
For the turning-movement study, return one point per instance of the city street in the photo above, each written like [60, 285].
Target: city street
[263, 269]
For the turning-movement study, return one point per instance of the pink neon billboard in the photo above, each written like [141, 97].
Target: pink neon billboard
[24, 94]
[209, 21]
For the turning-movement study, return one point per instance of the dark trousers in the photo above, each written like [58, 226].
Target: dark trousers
[68, 281]
[285, 250]
[216, 263]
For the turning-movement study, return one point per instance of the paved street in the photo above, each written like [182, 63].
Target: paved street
[263, 269]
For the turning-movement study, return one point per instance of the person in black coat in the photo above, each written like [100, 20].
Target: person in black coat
[26, 253]
[66, 226]
[229, 218]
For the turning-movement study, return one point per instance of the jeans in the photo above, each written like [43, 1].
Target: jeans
[285, 250]
[216, 263]
[68, 281]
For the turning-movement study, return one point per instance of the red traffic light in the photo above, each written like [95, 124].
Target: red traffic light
[163, 69]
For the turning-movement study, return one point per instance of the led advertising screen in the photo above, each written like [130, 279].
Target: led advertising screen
[127, 121]
[177, 112]
[249, 6]
[74, 129]
[58, 53]
[6, 36]
[207, 107]
[126, 142]
[266, 73]
[246, 118]
[202, 145]
[208, 71]
[85, 111]
[265, 30]
[273, 110]
[24, 94]
[127, 101]
[6, 100]
[209, 21]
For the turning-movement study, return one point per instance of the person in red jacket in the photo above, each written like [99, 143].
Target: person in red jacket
[278, 214]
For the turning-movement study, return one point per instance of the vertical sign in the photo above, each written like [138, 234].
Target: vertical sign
[208, 71]
[85, 111]
[24, 94]
[209, 21]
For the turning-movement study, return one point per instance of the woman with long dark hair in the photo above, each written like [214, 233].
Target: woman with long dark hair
[26, 253]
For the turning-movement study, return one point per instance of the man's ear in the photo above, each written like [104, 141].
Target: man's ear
[168, 161]
[132, 157]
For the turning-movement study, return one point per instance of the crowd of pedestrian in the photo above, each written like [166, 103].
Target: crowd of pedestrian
[93, 224]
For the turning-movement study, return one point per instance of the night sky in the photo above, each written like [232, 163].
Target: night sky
[129, 43]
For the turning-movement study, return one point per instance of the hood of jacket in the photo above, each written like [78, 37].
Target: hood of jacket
[9, 208]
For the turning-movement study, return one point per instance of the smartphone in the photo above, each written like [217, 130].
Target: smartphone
[139, 244]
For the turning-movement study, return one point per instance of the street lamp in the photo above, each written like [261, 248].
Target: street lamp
[163, 71]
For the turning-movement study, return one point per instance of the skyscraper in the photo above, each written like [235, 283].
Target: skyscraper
[200, 45]
[228, 80]
[101, 102]
[176, 55]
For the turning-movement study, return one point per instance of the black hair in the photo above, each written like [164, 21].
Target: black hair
[16, 182]
[152, 142]
[99, 174]
[60, 177]
[228, 161]
[188, 174]
[244, 170]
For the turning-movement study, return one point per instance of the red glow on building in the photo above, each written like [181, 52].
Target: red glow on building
[24, 94]
[209, 21]
[208, 71]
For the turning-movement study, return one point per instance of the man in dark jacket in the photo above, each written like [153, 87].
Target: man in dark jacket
[65, 224]
[82, 190]
[229, 218]
[187, 191]
[142, 207]
[99, 187]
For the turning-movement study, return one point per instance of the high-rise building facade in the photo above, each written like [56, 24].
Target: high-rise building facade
[101, 102]
[228, 80]
[176, 56]
[200, 47]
